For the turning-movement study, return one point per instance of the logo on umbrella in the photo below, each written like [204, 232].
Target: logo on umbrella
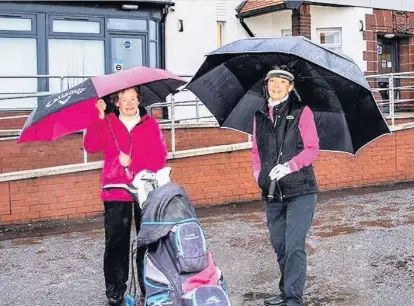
[63, 98]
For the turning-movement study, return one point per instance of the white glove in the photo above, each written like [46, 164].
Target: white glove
[143, 183]
[279, 171]
[163, 176]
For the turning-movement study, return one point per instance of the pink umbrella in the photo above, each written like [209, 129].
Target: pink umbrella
[73, 110]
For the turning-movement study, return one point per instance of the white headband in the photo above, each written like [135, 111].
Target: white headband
[283, 74]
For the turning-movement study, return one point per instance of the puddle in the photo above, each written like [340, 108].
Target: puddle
[250, 243]
[26, 241]
[41, 251]
[254, 296]
[94, 234]
[327, 232]
[378, 223]
[390, 209]
[393, 267]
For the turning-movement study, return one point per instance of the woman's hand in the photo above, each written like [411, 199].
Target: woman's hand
[124, 159]
[280, 171]
[101, 107]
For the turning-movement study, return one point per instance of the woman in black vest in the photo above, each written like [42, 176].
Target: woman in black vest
[285, 143]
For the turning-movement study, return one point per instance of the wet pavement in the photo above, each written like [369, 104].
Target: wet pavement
[360, 252]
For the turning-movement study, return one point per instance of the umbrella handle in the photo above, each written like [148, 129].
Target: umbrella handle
[272, 189]
[112, 133]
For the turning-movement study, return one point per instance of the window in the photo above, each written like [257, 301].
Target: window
[132, 25]
[127, 57]
[18, 57]
[286, 33]
[76, 26]
[330, 38]
[15, 24]
[153, 48]
[220, 34]
[74, 57]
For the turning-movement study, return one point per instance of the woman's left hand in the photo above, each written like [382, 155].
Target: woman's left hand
[124, 159]
[279, 171]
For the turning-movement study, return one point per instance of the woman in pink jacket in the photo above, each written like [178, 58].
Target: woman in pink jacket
[131, 141]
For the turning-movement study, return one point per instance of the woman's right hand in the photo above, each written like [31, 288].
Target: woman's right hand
[101, 107]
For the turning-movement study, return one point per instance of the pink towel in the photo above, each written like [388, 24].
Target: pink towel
[207, 277]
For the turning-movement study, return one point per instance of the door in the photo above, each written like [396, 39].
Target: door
[127, 52]
[388, 62]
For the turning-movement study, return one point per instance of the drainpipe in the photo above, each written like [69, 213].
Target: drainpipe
[245, 27]
[165, 11]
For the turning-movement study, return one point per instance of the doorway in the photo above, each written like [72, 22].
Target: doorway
[388, 62]
[127, 52]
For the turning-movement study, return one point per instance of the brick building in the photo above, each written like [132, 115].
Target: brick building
[379, 37]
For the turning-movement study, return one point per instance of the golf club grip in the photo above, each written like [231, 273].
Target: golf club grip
[272, 189]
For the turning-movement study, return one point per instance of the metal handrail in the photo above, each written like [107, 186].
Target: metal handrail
[172, 103]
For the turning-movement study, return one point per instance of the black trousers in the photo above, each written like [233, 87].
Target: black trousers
[118, 217]
[289, 223]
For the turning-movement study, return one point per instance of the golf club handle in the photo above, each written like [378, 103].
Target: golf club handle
[272, 189]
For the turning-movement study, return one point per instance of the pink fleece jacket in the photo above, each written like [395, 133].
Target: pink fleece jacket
[145, 144]
[310, 140]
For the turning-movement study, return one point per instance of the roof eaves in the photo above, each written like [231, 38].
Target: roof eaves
[286, 5]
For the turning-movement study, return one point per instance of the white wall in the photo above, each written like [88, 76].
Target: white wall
[185, 51]
[403, 5]
[346, 18]
[270, 25]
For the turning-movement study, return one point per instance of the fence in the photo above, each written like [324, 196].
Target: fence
[171, 104]
[394, 93]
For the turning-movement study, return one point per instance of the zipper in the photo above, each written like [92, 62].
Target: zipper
[278, 184]
[171, 286]
[280, 154]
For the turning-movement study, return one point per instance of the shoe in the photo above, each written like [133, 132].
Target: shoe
[275, 300]
[116, 299]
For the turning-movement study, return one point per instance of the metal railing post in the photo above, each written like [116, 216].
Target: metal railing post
[172, 124]
[391, 95]
[85, 154]
[197, 111]
[61, 83]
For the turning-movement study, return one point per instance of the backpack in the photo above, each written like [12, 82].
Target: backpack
[179, 270]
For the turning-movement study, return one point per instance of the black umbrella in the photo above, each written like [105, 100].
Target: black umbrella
[230, 84]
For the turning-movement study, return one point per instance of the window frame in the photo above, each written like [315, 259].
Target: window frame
[18, 33]
[220, 30]
[330, 30]
[93, 36]
[117, 31]
[284, 32]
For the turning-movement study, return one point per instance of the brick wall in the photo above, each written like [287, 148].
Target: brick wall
[212, 179]
[301, 21]
[69, 150]
[402, 25]
[12, 124]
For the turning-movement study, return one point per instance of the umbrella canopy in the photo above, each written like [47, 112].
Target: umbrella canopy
[230, 83]
[72, 110]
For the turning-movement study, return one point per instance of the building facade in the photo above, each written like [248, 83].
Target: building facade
[92, 38]
[79, 39]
